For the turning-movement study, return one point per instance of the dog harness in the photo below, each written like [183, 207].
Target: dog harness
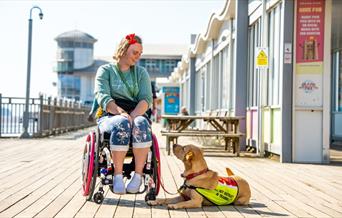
[224, 193]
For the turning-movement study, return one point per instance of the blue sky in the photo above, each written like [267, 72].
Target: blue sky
[156, 21]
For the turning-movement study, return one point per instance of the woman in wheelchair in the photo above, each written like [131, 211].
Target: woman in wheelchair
[123, 92]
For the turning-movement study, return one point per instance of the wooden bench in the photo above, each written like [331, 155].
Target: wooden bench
[230, 138]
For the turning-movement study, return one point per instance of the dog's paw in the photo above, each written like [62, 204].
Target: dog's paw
[172, 206]
[154, 202]
[151, 203]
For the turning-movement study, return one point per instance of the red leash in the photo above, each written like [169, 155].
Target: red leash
[162, 185]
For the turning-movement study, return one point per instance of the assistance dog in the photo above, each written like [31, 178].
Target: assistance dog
[203, 186]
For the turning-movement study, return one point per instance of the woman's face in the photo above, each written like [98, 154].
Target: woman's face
[133, 54]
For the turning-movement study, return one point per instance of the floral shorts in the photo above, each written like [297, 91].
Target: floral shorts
[122, 132]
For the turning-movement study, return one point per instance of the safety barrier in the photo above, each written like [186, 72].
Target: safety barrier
[47, 116]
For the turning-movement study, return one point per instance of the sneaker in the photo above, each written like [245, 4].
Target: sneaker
[119, 185]
[135, 183]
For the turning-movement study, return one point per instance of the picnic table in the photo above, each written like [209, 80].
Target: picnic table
[226, 127]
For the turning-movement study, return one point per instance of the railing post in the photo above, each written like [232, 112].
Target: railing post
[52, 111]
[41, 113]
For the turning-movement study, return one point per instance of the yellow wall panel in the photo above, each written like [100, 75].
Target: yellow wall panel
[276, 127]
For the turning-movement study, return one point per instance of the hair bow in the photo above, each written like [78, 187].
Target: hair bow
[131, 38]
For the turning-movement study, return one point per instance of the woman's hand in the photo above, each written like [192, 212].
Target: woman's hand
[129, 117]
[139, 110]
[133, 115]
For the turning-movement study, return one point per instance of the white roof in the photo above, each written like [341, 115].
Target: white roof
[150, 50]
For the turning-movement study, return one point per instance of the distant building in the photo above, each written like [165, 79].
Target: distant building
[160, 60]
[76, 66]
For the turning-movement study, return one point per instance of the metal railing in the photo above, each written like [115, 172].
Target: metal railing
[47, 116]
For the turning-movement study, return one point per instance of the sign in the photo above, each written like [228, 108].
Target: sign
[287, 53]
[309, 52]
[310, 36]
[171, 100]
[261, 57]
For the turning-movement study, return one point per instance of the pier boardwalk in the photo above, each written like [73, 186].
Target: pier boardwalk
[41, 178]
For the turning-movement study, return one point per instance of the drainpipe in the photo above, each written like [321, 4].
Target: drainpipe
[261, 79]
[231, 106]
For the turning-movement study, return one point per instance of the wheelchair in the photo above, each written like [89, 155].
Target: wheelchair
[97, 164]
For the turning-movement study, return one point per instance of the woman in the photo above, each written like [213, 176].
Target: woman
[123, 81]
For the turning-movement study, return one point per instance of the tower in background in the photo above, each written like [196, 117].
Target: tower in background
[75, 66]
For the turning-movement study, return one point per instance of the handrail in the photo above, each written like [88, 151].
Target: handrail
[47, 116]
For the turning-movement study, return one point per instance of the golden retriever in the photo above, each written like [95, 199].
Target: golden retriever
[198, 180]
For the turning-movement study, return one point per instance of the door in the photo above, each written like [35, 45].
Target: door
[336, 114]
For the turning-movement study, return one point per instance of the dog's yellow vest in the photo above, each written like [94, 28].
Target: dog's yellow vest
[224, 193]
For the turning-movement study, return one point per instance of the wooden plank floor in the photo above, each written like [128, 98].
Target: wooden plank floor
[41, 178]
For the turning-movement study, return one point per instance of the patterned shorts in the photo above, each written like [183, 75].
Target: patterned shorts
[122, 132]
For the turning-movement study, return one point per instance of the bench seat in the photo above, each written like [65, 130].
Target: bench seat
[200, 133]
[172, 137]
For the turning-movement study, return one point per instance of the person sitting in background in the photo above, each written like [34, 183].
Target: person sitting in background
[123, 91]
[184, 111]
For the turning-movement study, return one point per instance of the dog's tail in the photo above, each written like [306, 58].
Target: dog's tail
[229, 172]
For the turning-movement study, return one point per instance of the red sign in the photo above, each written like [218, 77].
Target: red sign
[310, 31]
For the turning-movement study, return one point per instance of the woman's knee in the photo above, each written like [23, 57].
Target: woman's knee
[142, 134]
[120, 132]
[141, 121]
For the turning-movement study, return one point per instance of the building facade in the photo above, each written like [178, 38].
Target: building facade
[75, 66]
[160, 60]
[293, 105]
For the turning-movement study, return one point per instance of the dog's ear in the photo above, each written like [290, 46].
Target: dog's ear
[189, 155]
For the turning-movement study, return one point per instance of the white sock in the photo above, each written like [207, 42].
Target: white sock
[134, 184]
[118, 184]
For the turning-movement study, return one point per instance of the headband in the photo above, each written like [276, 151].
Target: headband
[131, 39]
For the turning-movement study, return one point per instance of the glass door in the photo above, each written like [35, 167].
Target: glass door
[336, 117]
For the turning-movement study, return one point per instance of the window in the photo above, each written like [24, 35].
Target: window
[150, 63]
[185, 90]
[65, 66]
[69, 86]
[68, 55]
[214, 88]
[275, 44]
[231, 58]
[254, 40]
[207, 87]
[199, 93]
[225, 77]
[337, 69]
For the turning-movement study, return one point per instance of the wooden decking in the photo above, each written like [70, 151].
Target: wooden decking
[41, 178]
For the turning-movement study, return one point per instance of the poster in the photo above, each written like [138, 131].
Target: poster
[171, 100]
[309, 52]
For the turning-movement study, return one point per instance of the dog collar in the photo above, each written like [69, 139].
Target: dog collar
[192, 175]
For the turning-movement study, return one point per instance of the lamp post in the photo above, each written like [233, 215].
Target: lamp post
[25, 133]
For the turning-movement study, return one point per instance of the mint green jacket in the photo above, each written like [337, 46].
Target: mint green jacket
[109, 85]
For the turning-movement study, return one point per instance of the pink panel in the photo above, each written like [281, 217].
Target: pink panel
[248, 125]
[254, 126]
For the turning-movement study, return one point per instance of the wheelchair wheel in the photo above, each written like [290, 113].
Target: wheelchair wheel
[89, 165]
[96, 164]
[156, 163]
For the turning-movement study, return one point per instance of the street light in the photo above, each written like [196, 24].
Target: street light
[25, 133]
